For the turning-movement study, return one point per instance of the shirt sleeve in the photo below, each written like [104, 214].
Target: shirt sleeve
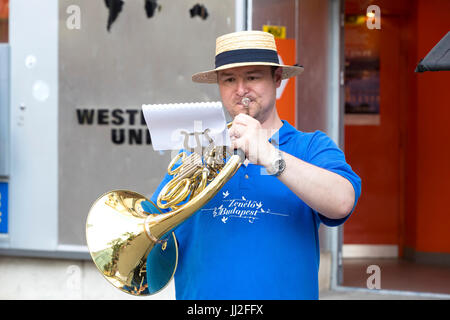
[323, 152]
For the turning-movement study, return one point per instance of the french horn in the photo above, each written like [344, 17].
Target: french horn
[131, 239]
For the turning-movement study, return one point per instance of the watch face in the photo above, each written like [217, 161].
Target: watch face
[277, 166]
[280, 165]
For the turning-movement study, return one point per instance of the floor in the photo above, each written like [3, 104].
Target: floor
[396, 274]
[346, 293]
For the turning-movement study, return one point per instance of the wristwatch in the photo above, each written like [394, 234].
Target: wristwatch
[277, 166]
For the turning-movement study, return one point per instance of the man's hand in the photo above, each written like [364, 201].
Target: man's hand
[247, 134]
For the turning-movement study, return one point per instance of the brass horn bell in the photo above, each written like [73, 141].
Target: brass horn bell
[131, 240]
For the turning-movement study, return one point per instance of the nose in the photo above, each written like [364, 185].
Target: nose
[241, 87]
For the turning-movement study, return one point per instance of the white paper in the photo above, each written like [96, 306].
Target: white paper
[166, 122]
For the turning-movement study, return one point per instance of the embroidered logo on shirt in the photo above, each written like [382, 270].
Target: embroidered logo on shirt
[241, 208]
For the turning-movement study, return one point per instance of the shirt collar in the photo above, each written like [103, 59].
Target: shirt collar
[283, 134]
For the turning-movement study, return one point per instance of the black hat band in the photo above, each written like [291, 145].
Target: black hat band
[246, 55]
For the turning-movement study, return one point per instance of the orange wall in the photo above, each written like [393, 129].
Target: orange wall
[432, 127]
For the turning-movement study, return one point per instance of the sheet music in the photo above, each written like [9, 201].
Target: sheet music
[167, 122]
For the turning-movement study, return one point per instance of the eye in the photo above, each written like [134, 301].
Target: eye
[228, 80]
[253, 77]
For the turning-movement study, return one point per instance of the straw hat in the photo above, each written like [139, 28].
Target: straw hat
[245, 48]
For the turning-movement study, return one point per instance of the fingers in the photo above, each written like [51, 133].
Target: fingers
[245, 134]
[236, 138]
[241, 124]
[236, 135]
[237, 130]
[244, 119]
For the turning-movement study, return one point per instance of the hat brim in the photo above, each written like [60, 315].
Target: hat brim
[211, 75]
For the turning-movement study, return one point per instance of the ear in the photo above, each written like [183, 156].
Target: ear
[277, 76]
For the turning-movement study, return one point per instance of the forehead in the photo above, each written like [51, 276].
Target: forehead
[244, 70]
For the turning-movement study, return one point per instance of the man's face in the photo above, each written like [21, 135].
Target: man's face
[253, 82]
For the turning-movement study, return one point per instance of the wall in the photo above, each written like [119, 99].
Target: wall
[48, 279]
[100, 73]
[430, 128]
[312, 112]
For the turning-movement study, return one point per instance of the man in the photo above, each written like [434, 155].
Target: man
[258, 237]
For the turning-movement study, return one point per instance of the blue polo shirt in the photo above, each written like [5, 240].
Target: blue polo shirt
[256, 239]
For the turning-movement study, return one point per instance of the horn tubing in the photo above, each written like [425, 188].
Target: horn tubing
[160, 224]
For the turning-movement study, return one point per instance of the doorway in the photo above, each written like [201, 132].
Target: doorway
[381, 123]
